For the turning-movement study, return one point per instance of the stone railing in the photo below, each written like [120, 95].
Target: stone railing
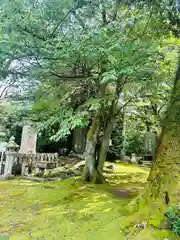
[38, 161]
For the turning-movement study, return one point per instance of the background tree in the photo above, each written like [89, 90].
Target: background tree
[111, 48]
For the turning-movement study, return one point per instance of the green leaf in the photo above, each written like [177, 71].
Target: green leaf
[109, 77]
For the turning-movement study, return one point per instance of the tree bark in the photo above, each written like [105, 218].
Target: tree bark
[164, 178]
[98, 175]
[94, 167]
[92, 135]
[91, 141]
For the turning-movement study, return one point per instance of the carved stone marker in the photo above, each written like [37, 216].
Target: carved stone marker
[29, 138]
[28, 143]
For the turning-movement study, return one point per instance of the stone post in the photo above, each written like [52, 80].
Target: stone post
[1, 162]
[2, 150]
[11, 155]
[133, 158]
[25, 163]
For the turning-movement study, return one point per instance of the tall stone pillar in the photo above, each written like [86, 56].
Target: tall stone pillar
[11, 155]
[29, 138]
[28, 143]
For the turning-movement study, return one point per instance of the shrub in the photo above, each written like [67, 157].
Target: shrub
[173, 215]
[134, 143]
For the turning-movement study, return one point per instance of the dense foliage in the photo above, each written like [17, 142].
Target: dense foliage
[108, 65]
[88, 60]
[49, 52]
[174, 219]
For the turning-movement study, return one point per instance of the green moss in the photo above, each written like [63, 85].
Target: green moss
[144, 235]
[57, 210]
[162, 234]
[93, 128]
[70, 210]
[127, 176]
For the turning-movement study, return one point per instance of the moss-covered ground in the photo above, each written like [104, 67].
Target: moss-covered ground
[69, 210]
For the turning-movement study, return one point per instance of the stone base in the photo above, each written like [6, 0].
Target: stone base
[45, 165]
[24, 171]
[147, 163]
[2, 178]
[7, 177]
[38, 179]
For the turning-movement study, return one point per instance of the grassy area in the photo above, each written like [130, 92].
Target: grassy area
[67, 209]
[59, 210]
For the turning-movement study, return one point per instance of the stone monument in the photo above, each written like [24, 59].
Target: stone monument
[28, 143]
[29, 138]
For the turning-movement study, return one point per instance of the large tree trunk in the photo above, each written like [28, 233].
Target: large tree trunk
[91, 141]
[164, 180]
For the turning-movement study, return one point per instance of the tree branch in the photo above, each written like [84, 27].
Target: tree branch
[81, 22]
[25, 30]
[104, 19]
[59, 23]
[116, 6]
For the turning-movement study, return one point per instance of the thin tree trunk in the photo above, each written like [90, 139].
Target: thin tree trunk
[92, 135]
[91, 141]
[98, 178]
[98, 174]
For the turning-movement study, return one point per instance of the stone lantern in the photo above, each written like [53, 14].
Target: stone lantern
[11, 155]
[12, 146]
